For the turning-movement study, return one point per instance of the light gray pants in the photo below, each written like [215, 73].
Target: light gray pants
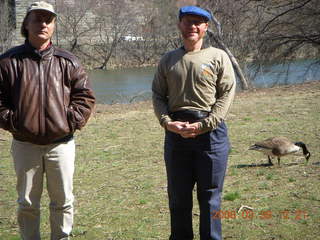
[57, 162]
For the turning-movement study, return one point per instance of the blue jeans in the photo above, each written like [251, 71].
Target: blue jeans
[201, 160]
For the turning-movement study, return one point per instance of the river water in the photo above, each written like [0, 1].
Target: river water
[128, 85]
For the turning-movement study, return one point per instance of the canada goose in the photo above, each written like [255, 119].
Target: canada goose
[280, 146]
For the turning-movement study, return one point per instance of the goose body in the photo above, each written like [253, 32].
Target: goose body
[279, 147]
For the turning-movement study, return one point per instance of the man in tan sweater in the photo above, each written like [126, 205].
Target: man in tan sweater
[193, 89]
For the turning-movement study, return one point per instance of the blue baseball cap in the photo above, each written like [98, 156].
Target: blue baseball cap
[194, 10]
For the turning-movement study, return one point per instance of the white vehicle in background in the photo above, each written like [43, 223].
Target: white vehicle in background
[131, 38]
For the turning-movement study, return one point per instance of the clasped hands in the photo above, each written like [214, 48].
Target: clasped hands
[185, 129]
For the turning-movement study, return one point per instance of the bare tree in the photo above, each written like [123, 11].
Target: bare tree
[133, 33]
[7, 24]
[223, 39]
[76, 23]
[114, 25]
[290, 31]
[137, 50]
[156, 31]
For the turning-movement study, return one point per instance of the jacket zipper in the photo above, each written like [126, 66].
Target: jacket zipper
[41, 100]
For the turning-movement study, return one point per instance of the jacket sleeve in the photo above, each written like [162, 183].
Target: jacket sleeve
[6, 113]
[226, 86]
[82, 100]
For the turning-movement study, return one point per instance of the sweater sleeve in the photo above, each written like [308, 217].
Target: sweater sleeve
[160, 94]
[226, 86]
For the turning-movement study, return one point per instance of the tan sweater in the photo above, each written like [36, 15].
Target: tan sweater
[202, 80]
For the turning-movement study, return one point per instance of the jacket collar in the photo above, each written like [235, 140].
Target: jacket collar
[42, 55]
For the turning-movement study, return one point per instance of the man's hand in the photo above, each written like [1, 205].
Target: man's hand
[176, 126]
[191, 130]
[185, 129]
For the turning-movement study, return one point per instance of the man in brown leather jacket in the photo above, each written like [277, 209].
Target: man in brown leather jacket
[45, 96]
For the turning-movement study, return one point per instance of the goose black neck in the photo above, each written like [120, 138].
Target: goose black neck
[304, 148]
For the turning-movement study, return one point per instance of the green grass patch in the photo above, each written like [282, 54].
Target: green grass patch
[231, 196]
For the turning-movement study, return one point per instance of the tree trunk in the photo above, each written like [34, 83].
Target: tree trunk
[218, 39]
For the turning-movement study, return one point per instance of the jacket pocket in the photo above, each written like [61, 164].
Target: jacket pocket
[13, 121]
[75, 118]
[70, 119]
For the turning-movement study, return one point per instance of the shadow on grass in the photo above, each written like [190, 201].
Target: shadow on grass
[268, 165]
[263, 165]
[251, 165]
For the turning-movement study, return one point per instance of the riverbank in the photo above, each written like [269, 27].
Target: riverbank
[120, 183]
[128, 85]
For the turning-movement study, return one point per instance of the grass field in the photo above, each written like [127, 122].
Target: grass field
[120, 182]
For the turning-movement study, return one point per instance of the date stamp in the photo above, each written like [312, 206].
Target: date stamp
[263, 214]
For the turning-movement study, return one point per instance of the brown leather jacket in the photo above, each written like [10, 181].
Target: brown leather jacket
[44, 97]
